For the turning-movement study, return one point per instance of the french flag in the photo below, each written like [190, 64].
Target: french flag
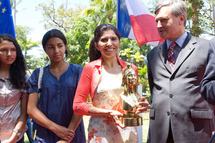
[134, 21]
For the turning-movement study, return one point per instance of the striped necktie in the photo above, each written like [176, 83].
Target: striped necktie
[171, 56]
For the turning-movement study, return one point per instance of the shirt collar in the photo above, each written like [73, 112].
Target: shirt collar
[179, 41]
[99, 62]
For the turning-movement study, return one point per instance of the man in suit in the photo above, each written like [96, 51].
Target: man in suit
[178, 113]
[208, 82]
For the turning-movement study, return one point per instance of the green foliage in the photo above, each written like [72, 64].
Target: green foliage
[78, 42]
[34, 62]
[200, 17]
[101, 11]
[60, 17]
[26, 44]
[143, 79]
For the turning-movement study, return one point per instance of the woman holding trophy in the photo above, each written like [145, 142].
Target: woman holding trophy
[102, 79]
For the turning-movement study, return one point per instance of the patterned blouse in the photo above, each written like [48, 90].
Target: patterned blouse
[10, 108]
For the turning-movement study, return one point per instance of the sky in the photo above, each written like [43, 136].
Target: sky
[28, 15]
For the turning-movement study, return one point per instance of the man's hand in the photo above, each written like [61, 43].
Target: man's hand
[143, 105]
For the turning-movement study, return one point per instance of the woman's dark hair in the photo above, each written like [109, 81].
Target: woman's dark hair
[94, 54]
[52, 34]
[18, 68]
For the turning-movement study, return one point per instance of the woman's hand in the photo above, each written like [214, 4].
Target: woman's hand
[117, 118]
[64, 133]
[143, 105]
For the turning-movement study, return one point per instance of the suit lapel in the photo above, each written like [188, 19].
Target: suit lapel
[162, 52]
[187, 49]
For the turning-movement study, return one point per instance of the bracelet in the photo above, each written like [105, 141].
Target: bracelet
[17, 131]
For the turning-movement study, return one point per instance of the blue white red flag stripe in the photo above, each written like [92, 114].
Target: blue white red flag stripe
[123, 20]
[134, 21]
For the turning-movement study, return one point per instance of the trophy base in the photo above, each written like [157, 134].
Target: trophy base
[131, 122]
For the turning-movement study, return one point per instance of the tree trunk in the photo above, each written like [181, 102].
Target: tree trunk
[195, 31]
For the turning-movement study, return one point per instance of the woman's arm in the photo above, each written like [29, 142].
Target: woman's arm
[21, 120]
[75, 121]
[83, 89]
[41, 119]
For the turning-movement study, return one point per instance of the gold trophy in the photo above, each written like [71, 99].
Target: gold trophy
[130, 97]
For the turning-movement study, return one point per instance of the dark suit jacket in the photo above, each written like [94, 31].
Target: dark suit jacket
[175, 94]
[208, 82]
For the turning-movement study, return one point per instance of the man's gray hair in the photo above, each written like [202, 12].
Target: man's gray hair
[177, 7]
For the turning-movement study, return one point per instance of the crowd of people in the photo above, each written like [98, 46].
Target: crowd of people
[181, 75]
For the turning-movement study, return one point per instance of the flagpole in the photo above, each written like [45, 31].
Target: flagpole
[117, 4]
[14, 13]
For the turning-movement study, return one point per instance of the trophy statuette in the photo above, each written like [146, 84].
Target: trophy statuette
[130, 97]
